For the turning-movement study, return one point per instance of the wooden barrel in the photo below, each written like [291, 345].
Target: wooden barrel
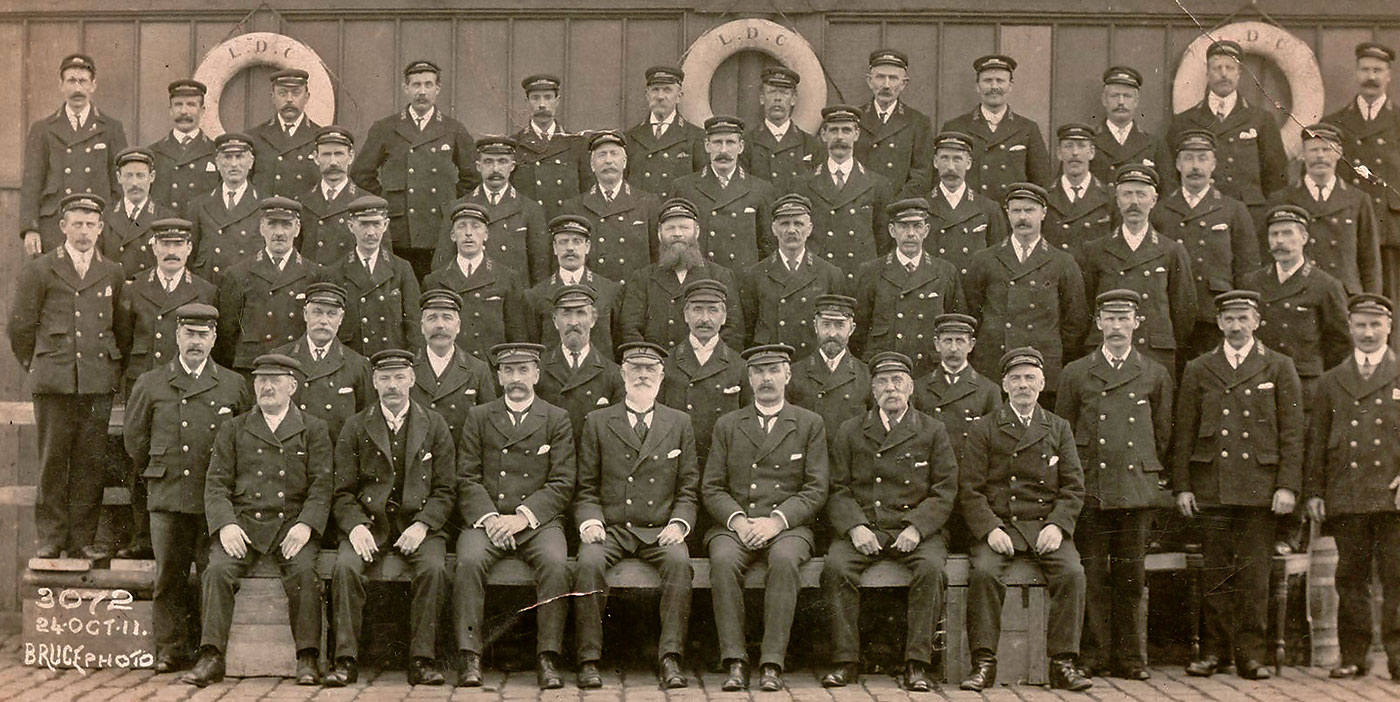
[1322, 601]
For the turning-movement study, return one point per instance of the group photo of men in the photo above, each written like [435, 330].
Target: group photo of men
[741, 342]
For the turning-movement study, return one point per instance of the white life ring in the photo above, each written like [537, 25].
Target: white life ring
[718, 44]
[263, 49]
[1292, 55]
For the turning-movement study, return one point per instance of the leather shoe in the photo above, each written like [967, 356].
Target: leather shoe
[842, 675]
[469, 670]
[770, 678]
[1203, 668]
[671, 675]
[588, 676]
[209, 669]
[135, 552]
[547, 673]
[93, 552]
[1065, 676]
[1254, 670]
[308, 668]
[345, 672]
[983, 675]
[1134, 672]
[167, 663]
[1347, 671]
[916, 677]
[423, 671]
[48, 551]
[738, 676]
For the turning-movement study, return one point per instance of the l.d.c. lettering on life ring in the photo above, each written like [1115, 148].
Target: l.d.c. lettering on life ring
[263, 49]
[718, 44]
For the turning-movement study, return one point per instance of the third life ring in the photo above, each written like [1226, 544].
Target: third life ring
[263, 49]
[718, 44]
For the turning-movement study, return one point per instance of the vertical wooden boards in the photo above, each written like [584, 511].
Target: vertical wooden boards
[957, 84]
[1031, 46]
[594, 82]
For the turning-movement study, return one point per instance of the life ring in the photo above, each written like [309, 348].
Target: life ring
[1291, 54]
[263, 49]
[718, 44]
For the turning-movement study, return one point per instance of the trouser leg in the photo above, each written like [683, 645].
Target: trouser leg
[174, 540]
[427, 588]
[347, 599]
[87, 460]
[475, 556]
[303, 588]
[1217, 581]
[1127, 561]
[591, 583]
[1093, 534]
[220, 584]
[1387, 554]
[1353, 578]
[1255, 551]
[925, 565]
[985, 594]
[729, 561]
[840, 582]
[1064, 576]
[786, 554]
[547, 555]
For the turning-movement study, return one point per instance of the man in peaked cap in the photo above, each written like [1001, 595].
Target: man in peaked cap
[447, 379]
[61, 331]
[632, 452]
[1028, 453]
[335, 381]
[664, 146]
[493, 295]
[962, 222]
[553, 164]
[768, 442]
[69, 152]
[732, 203]
[1009, 146]
[894, 481]
[1236, 466]
[381, 291]
[126, 236]
[571, 237]
[623, 215]
[395, 487]
[778, 294]
[1121, 140]
[830, 380]
[575, 374]
[1120, 399]
[848, 198]
[517, 225]
[417, 159]
[895, 139]
[226, 219]
[284, 146]
[325, 235]
[184, 157]
[179, 402]
[954, 392]
[704, 374]
[777, 150]
[267, 495]
[1079, 206]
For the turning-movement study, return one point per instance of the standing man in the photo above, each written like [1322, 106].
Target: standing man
[180, 402]
[900, 295]
[1136, 257]
[517, 224]
[417, 159]
[395, 483]
[335, 380]
[665, 146]
[831, 381]
[1216, 230]
[493, 296]
[1371, 126]
[447, 379]
[74, 368]
[70, 152]
[778, 151]
[733, 205]
[1251, 161]
[633, 451]
[1122, 140]
[848, 199]
[1349, 483]
[767, 443]
[571, 238]
[284, 147]
[704, 375]
[326, 236]
[126, 236]
[145, 322]
[1020, 488]
[779, 293]
[184, 158]
[1080, 207]
[267, 494]
[954, 392]
[963, 222]
[1235, 484]
[381, 291]
[896, 139]
[1009, 147]
[894, 481]
[1118, 401]
[553, 167]
[623, 216]
[576, 375]
[226, 219]
[515, 463]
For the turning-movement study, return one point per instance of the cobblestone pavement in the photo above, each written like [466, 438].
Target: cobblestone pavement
[22, 684]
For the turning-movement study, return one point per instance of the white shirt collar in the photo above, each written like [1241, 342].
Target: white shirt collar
[1223, 104]
[1068, 187]
[638, 410]
[81, 117]
[581, 353]
[778, 132]
[994, 117]
[832, 166]
[194, 371]
[1135, 239]
[275, 420]
[518, 406]
[439, 362]
[950, 371]
[1120, 134]
[79, 258]
[425, 118]
[612, 194]
[884, 114]
[1327, 187]
[1240, 353]
[1027, 250]
[1194, 201]
[886, 418]
[192, 134]
[236, 192]
[704, 351]
[546, 133]
[670, 119]
[905, 260]
[1025, 418]
[331, 191]
[1111, 358]
[831, 362]
[474, 264]
[132, 209]
[782, 404]
[789, 262]
[370, 260]
[1375, 357]
[293, 125]
[282, 263]
[313, 349]
[395, 421]
[572, 277]
[954, 197]
[1370, 109]
[165, 281]
[1286, 274]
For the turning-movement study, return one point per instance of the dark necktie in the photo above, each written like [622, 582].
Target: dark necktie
[658, 129]
[1075, 197]
[909, 266]
[639, 423]
[840, 179]
[1116, 362]
[518, 418]
[766, 421]
[1367, 368]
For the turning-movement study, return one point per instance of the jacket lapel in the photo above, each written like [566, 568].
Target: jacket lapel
[619, 425]
[782, 426]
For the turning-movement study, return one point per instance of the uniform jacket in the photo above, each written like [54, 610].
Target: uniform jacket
[624, 230]
[493, 304]
[1351, 456]
[334, 388]
[551, 171]
[325, 235]
[366, 475]
[895, 307]
[59, 161]
[1344, 238]
[381, 308]
[783, 163]
[1220, 241]
[145, 324]
[224, 237]
[891, 480]
[654, 164]
[1215, 409]
[282, 164]
[779, 305]
[652, 306]
[1015, 152]
[1304, 317]
[640, 486]
[465, 383]
[417, 171]
[501, 467]
[1037, 303]
[1122, 421]
[267, 482]
[1372, 144]
[607, 307]
[171, 421]
[834, 395]
[1069, 226]
[261, 307]
[1160, 270]
[597, 383]
[755, 474]
[706, 392]
[900, 148]
[517, 235]
[183, 172]
[1139, 147]
[848, 225]
[956, 233]
[127, 241]
[958, 404]
[735, 227]
[1250, 160]
[61, 326]
[1019, 478]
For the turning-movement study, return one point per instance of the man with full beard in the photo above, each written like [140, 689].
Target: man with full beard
[575, 374]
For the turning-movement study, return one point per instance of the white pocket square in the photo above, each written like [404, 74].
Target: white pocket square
[469, 391]
[345, 391]
[209, 167]
[730, 390]
[808, 157]
[493, 298]
[1301, 308]
[794, 457]
[1220, 227]
[602, 401]
[301, 296]
[427, 457]
[1395, 394]
[225, 410]
[1054, 461]
[748, 210]
[543, 450]
[1266, 386]
[1160, 269]
[638, 222]
[1148, 162]
[979, 228]
[921, 464]
[1018, 147]
[1142, 402]
[446, 147]
[1249, 134]
[99, 146]
[673, 453]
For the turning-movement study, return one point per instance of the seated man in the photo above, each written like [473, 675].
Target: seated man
[893, 484]
[395, 482]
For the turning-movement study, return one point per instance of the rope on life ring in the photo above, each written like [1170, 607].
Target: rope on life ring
[713, 47]
[280, 51]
